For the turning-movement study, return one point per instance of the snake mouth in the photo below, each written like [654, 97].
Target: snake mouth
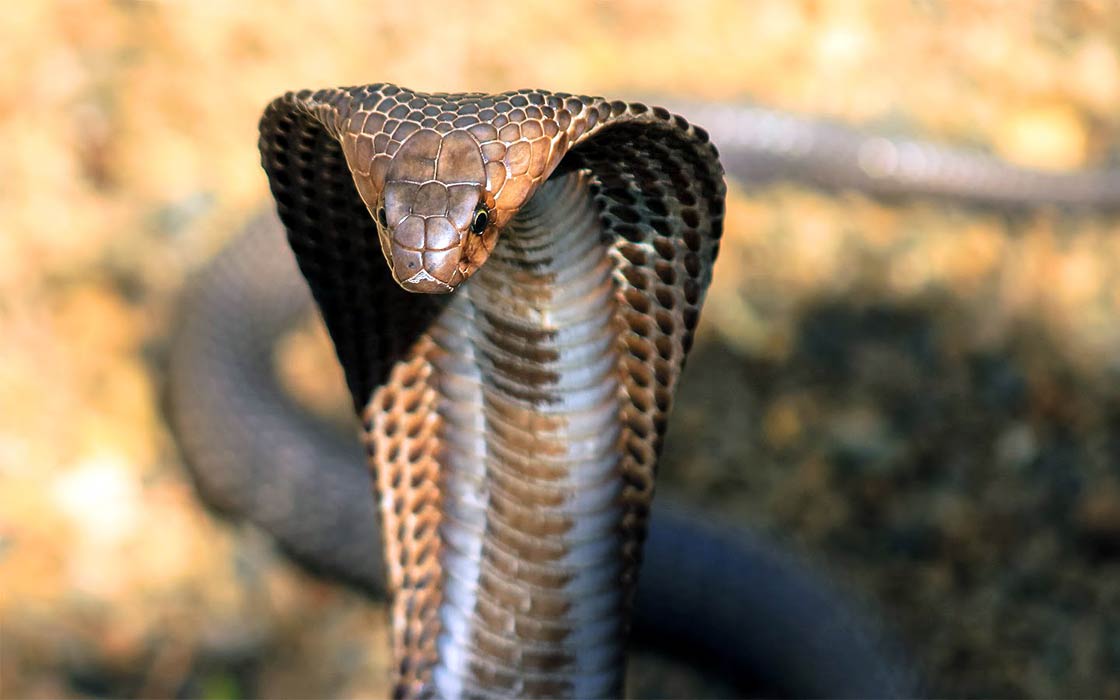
[425, 271]
[424, 283]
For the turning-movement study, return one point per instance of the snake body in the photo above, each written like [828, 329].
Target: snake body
[513, 428]
[514, 425]
[728, 600]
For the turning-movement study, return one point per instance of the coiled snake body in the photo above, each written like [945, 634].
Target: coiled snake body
[514, 425]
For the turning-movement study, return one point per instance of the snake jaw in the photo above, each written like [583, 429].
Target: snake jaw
[425, 271]
[418, 266]
[424, 283]
[429, 270]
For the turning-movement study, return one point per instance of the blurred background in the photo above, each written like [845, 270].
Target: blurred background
[920, 398]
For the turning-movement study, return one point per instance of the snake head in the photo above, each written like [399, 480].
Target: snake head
[441, 174]
[435, 217]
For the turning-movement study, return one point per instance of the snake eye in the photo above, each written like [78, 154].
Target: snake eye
[481, 219]
[381, 218]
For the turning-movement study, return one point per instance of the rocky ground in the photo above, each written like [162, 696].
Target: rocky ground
[920, 398]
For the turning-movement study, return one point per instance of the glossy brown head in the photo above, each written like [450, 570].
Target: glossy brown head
[433, 218]
[442, 173]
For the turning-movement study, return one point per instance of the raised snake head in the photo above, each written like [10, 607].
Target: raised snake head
[442, 174]
[434, 218]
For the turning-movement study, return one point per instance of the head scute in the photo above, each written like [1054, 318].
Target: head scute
[432, 187]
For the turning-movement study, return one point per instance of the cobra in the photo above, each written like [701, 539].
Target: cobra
[513, 425]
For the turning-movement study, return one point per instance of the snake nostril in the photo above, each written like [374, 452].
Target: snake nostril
[381, 218]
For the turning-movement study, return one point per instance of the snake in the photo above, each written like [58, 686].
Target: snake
[512, 283]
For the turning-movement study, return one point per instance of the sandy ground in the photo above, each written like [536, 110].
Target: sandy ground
[920, 398]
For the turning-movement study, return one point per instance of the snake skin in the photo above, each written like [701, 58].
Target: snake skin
[256, 455]
[722, 598]
[514, 430]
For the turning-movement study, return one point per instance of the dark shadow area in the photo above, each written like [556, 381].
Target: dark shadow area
[969, 489]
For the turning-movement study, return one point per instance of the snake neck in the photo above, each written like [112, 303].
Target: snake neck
[526, 365]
